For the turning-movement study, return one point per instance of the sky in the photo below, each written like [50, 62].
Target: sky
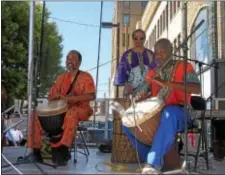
[85, 38]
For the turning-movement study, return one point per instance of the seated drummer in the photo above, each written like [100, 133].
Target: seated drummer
[83, 91]
[172, 116]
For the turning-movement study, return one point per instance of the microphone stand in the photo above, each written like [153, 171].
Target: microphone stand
[203, 129]
[183, 45]
[200, 65]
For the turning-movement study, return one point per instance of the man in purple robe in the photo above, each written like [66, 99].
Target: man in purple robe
[133, 67]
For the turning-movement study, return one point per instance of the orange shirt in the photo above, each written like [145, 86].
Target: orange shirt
[176, 96]
[83, 85]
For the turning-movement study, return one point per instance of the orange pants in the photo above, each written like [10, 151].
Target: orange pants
[71, 120]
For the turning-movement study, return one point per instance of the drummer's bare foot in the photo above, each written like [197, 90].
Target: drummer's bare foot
[37, 155]
[148, 169]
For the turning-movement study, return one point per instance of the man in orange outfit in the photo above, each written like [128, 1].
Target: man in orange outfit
[78, 100]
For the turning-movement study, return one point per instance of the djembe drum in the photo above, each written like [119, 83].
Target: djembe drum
[143, 119]
[51, 117]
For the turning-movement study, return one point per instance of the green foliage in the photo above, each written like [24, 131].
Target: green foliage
[15, 37]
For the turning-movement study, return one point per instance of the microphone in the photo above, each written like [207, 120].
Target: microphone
[197, 62]
[70, 67]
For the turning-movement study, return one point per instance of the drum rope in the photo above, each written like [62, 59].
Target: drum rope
[135, 122]
[116, 167]
[161, 95]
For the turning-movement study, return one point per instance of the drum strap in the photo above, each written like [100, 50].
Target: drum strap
[74, 80]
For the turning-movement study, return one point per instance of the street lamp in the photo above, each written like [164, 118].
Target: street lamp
[110, 25]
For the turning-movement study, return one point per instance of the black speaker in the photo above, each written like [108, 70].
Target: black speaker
[219, 129]
[218, 139]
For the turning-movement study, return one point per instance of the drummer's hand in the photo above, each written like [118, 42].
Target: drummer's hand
[152, 75]
[140, 97]
[60, 96]
[57, 96]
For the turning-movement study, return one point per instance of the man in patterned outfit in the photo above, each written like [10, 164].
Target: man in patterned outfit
[167, 84]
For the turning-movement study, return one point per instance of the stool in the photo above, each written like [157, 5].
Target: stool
[198, 103]
[81, 143]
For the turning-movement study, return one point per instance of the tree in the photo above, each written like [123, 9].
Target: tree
[15, 31]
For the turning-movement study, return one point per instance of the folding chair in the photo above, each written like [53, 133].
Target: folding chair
[79, 141]
[198, 103]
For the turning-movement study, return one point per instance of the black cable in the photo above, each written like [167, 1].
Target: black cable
[77, 23]
[73, 22]
[101, 65]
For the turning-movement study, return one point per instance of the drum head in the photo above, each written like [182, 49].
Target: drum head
[142, 111]
[52, 108]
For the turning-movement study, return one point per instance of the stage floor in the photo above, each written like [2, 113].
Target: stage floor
[97, 163]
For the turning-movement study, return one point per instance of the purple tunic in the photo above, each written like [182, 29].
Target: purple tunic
[130, 60]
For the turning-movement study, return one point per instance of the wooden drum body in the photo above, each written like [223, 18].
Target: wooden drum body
[122, 150]
[51, 116]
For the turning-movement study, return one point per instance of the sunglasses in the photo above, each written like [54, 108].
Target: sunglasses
[140, 39]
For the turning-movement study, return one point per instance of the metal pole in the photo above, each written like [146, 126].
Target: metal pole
[98, 60]
[109, 88]
[117, 55]
[126, 37]
[30, 60]
[38, 62]
[222, 7]
[185, 54]
[41, 44]
[215, 45]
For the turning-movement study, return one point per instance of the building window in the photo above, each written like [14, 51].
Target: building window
[150, 41]
[199, 44]
[166, 14]
[126, 4]
[175, 47]
[174, 7]
[126, 19]
[164, 20]
[178, 4]
[144, 4]
[158, 26]
[161, 23]
[155, 36]
[171, 9]
[179, 43]
[126, 40]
